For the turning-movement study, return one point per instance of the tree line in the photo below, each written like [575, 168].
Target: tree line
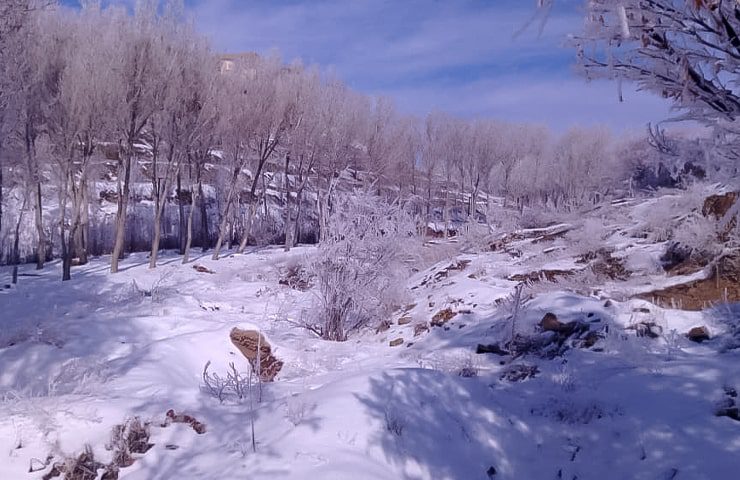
[98, 94]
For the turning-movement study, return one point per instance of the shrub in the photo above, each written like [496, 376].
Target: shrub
[359, 267]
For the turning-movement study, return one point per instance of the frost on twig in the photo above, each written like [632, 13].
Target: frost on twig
[231, 387]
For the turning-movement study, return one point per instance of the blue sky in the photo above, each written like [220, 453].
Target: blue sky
[460, 56]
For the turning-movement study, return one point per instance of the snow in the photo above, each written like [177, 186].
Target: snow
[77, 358]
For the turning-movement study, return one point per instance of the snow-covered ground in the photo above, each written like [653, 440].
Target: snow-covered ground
[79, 357]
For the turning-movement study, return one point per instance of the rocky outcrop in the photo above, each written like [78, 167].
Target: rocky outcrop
[698, 334]
[258, 351]
[420, 328]
[717, 206]
[442, 317]
[550, 323]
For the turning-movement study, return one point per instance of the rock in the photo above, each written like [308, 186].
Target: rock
[641, 310]
[607, 304]
[590, 339]
[202, 269]
[718, 205]
[404, 320]
[172, 417]
[491, 472]
[518, 373]
[442, 317]
[574, 327]
[550, 323]
[248, 341]
[384, 326]
[646, 329]
[396, 342]
[676, 254]
[698, 334]
[492, 348]
[420, 328]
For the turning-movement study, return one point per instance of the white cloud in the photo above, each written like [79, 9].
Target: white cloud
[458, 56]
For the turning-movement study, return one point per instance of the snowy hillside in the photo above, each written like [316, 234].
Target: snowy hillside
[410, 398]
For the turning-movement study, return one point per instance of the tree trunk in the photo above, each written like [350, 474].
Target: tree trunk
[181, 211]
[288, 227]
[196, 190]
[122, 206]
[265, 151]
[227, 209]
[205, 235]
[189, 227]
[446, 212]
[17, 241]
[84, 228]
[64, 240]
[156, 235]
[34, 177]
[162, 187]
[297, 222]
[41, 247]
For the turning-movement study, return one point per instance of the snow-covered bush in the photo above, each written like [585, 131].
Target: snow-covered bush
[590, 237]
[475, 238]
[359, 267]
[643, 261]
[540, 216]
[297, 409]
[729, 315]
[701, 234]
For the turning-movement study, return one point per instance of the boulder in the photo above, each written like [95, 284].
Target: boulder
[676, 254]
[646, 329]
[202, 269]
[420, 328]
[404, 320]
[518, 373]
[590, 339]
[442, 317]
[698, 334]
[384, 326]
[396, 342]
[253, 345]
[718, 205]
[550, 323]
[491, 348]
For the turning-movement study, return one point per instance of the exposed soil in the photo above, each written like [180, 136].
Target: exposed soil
[722, 286]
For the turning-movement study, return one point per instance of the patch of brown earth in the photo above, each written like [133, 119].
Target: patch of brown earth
[718, 205]
[603, 263]
[723, 286]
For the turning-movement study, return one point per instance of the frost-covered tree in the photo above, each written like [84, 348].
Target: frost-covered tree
[358, 266]
[143, 61]
[184, 117]
[684, 50]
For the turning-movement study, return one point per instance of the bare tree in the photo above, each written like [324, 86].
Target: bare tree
[142, 62]
[182, 118]
[684, 50]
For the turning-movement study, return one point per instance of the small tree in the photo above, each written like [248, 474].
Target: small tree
[359, 265]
